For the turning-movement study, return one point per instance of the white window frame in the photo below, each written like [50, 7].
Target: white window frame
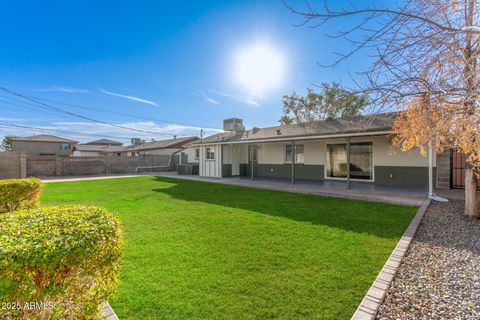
[325, 169]
[197, 153]
[208, 153]
[62, 145]
[296, 154]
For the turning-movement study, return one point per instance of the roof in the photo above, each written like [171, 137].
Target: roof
[44, 138]
[349, 125]
[163, 144]
[97, 148]
[104, 142]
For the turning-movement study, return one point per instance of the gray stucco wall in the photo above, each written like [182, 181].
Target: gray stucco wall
[284, 171]
[226, 170]
[416, 177]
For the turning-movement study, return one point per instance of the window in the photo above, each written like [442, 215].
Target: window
[299, 155]
[64, 146]
[197, 153]
[210, 153]
[360, 161]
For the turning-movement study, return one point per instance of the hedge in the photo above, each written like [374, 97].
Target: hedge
[65, 260]
[16, 194]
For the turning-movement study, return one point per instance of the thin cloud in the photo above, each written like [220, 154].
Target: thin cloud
[61, 89]
[252, 102]
[248, 100]
[137, 99]
[199, 93]
[208, 99]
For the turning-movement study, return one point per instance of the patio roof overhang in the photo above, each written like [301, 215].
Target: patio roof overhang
[298, 138]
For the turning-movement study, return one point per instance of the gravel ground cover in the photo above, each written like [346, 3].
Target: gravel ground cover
[439, 277]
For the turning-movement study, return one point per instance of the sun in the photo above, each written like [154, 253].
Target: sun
[259, 68]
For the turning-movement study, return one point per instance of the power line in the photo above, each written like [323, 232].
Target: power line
[6, 124]
[120, 113]
[45, 105]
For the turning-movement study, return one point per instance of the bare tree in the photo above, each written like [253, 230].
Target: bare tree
[422, 48]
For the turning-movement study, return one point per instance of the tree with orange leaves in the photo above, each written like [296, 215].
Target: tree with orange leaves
[411, 39]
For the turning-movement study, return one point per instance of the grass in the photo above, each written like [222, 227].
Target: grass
[196, 250]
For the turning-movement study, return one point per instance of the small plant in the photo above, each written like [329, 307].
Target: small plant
[58, 262]
[16, 194]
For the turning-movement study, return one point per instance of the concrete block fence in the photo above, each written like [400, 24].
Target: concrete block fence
[18, 165]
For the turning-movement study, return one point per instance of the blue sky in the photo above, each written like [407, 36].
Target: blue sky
[169, 63]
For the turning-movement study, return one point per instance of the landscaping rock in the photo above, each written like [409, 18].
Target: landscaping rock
[439, 278]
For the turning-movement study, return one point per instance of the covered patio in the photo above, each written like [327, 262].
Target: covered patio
[358, 190]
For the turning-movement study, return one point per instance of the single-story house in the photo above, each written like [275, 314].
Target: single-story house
[319, 151]
[160, 147]
[97, 148]
[44, 144]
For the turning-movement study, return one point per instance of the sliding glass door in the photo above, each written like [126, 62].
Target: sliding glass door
[360, 161]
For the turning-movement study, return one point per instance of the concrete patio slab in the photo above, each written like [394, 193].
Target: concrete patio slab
[358, 191]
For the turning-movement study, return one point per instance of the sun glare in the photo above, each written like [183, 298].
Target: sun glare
[259, 68]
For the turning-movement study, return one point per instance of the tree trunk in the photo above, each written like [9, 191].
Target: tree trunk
[470, 56]
[471, 202]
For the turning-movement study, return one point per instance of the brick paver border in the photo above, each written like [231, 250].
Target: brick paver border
[108, 312]
[368, 308]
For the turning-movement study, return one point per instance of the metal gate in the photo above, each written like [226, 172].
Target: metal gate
[457, 169]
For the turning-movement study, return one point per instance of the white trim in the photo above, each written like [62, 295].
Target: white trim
[346, 135]
[285, 153]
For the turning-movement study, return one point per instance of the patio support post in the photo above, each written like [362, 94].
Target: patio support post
[348, 163]
[252, 150]
[294, 153]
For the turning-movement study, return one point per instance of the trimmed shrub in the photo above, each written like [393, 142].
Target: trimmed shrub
[64, 260]
[16, 194]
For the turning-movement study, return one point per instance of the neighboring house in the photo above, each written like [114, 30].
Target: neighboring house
[43, 144]
[97, 148]
[104, 142]
[317, 151]
[160, 147]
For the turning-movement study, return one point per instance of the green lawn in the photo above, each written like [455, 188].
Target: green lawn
[196, 250]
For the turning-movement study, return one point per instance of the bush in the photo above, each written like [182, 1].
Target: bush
[16, 194]
[65, 260]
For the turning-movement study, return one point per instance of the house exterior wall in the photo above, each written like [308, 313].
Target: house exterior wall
[160, 152]
[233, 156]
[391, 166]
[211, 167]
[41, 147]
